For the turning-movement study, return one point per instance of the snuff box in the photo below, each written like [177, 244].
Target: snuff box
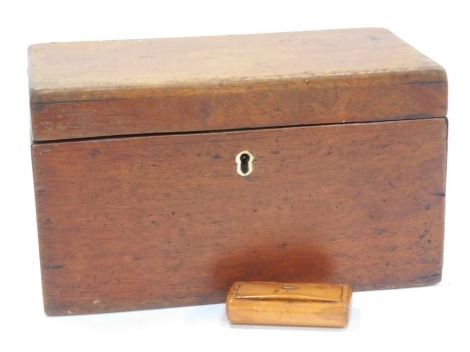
[304, 304]
[167, 169]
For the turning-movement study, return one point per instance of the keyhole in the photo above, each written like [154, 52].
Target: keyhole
[244, 162]
[244, 158]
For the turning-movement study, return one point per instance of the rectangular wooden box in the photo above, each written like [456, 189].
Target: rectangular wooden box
[139, 202]
[297, 304]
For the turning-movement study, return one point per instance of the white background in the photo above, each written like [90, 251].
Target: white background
[420, 318]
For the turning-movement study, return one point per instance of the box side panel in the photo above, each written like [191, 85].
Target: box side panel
[134, 223]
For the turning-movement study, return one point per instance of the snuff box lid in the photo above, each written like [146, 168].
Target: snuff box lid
[134, 87]
[289, 292]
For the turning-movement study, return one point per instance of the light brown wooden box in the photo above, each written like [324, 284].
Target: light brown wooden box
[139, 202]
[275, 303]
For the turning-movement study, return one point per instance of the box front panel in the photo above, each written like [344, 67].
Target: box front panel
[158, 221]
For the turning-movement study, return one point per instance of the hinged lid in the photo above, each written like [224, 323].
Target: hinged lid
[291, 292]
[117, 88]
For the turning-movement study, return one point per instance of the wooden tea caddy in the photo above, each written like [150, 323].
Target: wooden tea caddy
[167, 169]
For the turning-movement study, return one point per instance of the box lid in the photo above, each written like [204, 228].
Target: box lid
[290, 292]
[133, 87]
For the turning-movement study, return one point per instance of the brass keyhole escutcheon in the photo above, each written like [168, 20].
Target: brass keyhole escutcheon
[244, 162]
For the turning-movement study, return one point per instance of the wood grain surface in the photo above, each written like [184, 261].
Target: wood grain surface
[159, 221]
[113, 88]
[296, 304]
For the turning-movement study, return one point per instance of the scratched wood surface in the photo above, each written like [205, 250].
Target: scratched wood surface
[95, 89]
[158, 221]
